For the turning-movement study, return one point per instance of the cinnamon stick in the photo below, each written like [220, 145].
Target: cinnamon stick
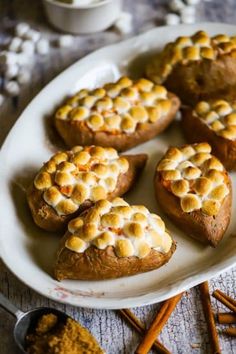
[225, 300]
[226, 318]
[157, 324]
[209, 316]
[230, 332]
[140, 328]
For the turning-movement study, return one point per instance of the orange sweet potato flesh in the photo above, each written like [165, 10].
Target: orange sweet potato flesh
[204, 228]
[46, 216]
[77, 133]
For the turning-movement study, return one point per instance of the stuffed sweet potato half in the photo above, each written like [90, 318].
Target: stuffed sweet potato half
[215, 122]
[197, 67]
[72, 181]
[194, 190]
[111, 240]
[121, 115]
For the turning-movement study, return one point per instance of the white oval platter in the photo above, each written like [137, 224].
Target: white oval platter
[29, 252]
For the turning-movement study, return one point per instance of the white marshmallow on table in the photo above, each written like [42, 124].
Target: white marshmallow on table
[188, 19]
[7, 58]
[21, 29]
[65, 41]
[43, 46]
[172, 19]
[28, 47]
[33, 35]
[124, 23]
[12, 88]
[23, 76]
[188, 11]
[176, 5]
[192, 2]
[15, 44]
[11, 71]
[24, 59]
[2, 99]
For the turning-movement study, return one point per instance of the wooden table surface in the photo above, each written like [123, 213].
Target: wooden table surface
[186, 330]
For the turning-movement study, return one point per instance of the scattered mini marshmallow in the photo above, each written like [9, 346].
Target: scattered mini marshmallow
[15, 44]
[28, 47]
[192, 2]
[176, 5]
[23, 76]
[33, 35]
[188, 19]
[21, 29]
[7, 58]
[11, 71]
[172, 19]
[12, 88]
[2, 99]
[124, 23]
[188, 11]
[43, 46]
[24, 59]
[65, 41]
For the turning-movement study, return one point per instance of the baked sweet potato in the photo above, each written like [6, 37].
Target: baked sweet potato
[55, 198]
[214, 122]
[121, 115]
[197, 67]
[115, 246]
[194, 190]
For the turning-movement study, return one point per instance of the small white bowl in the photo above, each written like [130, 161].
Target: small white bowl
[83, 19]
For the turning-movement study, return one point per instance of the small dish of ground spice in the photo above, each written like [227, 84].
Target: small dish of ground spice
[54, 336]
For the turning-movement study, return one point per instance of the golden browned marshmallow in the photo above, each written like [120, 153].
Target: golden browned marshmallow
[174, 154]
[111, 220]
[81, 158]
[52, 196]
[200, 46]
[219, 192]
[75, 244]
[59, 157]
[215, 176]
[88, 232]
[43, 180]
[200, 158]
[210, 207]
[75, 224]
[143, 249]
[220, 117]
[49, 166]
[166, 164]
[190, 202]
[134, 229]
[180, 187]
[127, 228]
[202, 186]
[125, 210]
[63, 178]
[171, 175]
[124, 248]
[104, 239]
[118, 107]
[191, 172]
[98, 193]
[66, 207]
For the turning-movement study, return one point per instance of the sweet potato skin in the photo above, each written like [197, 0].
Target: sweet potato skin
[96, 264]
[204, 79]
[47, 218]
[77, 133]
[196, 131]
[206, 229]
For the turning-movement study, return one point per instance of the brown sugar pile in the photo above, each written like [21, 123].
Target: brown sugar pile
[52, 336]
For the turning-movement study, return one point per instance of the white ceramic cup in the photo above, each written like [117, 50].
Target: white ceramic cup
[82, 19]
